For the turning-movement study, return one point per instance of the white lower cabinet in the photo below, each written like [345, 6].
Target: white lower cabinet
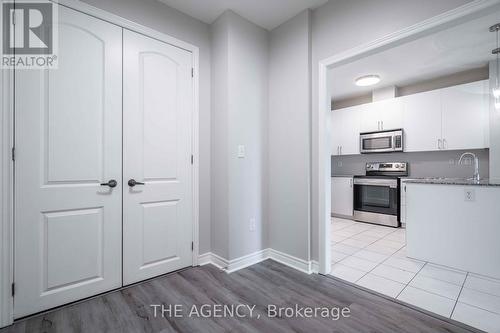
[444, 228]
[342, 196]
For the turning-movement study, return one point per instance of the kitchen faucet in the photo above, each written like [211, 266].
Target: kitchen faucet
[476, 176]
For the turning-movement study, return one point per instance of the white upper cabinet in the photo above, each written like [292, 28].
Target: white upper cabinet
[382, 115]
[370, 120]
[390, 112]
[345, 130]
[466, 116]
[336, 121]
[453, 118]
[422, 121]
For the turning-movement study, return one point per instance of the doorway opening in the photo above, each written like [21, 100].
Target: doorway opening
[367, 131]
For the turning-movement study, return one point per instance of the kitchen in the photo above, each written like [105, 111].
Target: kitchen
[414, 177]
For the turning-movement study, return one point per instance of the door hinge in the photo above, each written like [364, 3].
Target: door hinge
[192, 72]
[13, 152]
[192, 246]
[192, 159]
[13, 289]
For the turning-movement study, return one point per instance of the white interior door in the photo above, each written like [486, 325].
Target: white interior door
[68, 142]
[157, 110]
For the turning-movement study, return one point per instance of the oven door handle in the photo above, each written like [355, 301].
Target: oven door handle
[392, 183]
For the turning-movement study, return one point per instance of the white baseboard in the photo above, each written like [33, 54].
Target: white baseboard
[214, 259]
[291, 261]
[205, 259]
[234, 265]
[248, 260]
[314, 267]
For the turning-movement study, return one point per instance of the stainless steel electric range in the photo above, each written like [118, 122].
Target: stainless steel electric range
[377, 194]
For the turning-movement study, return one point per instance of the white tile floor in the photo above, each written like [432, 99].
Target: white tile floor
[374, 257]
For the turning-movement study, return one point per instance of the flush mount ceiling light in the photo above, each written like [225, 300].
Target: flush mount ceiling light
[367, 80]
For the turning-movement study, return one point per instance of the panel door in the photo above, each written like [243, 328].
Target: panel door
[422, 121]
[465, 116]
[68, 142]
[158, 219]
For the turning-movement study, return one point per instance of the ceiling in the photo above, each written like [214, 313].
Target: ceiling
[456, 49]
[266, 13]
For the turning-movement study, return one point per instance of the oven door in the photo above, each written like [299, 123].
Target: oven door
[376, 201]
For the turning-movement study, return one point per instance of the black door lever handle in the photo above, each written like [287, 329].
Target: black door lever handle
[112, 183]
[133, 182]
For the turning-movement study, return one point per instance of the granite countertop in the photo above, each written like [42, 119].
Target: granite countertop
[451, 181]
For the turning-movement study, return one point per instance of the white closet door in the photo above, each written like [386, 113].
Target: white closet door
[158, 219]
[68, 142]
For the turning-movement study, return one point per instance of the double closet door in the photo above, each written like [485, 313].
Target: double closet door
[103, 182]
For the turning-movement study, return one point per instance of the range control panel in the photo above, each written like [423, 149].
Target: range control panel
[390, 167]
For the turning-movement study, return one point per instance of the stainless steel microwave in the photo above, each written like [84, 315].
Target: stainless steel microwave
[381, 142]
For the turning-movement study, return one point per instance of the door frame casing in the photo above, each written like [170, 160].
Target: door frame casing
[321, 173]
[7, 142]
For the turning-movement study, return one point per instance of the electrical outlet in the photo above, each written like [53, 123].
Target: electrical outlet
[470, 195]
[253, 225]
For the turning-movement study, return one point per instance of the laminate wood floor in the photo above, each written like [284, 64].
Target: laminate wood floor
[264, 284]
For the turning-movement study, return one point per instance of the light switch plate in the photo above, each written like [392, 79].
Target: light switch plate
[241, 151]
